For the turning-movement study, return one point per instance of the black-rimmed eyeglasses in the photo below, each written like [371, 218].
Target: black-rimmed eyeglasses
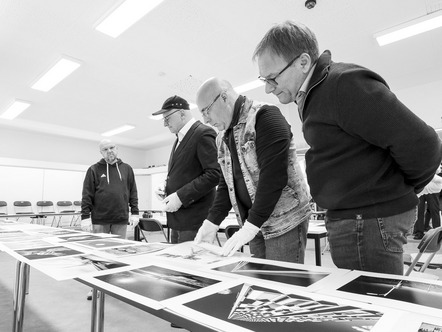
[166, 118]
[205, 110]
[272, 81]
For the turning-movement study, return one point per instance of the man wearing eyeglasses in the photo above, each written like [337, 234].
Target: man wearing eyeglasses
[193, 170]
[369, 154]
[261, 178]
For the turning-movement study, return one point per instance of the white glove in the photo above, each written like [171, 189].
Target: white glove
[206, 233]
[160, 192]
[86, 225]
[134, 220]
[247, 233]
[173, 203]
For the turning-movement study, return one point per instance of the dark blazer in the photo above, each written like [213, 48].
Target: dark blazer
[193, 173]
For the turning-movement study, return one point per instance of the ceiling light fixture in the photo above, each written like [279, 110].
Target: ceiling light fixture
[63, 68]
[409, 29]
[127, 14]
[118, 130]
[15, 109]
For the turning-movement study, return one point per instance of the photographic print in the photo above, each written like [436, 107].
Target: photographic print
[138, 249]
[76, 266]
[407, 293]
[79, 237]
[417, 292]
[253, 307]
[103, 243]
[189, 252]
[305, 276]
[47, 252]
[299, 277]
[154, 285]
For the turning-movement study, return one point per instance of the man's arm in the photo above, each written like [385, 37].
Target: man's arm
[133, 194]
[273, 137]
[88, 194]
[209, 178]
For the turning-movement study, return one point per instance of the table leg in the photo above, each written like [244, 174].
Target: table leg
[100, 313]
[21, 281]
[94, 310]
[318, 250]
[97, 311]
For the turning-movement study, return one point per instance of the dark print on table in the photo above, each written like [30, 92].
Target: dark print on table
[75, 266]
[103, 243]
[425, 327]
[416, 292]
[162, 283]
[136, 249]
[48, 252]
[55, 231]
[271, 272]
[261, 309]
[80, 237]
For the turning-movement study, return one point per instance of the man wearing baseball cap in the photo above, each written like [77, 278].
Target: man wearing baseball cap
[193, 170]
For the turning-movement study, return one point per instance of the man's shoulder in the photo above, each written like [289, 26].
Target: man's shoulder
[203, 128]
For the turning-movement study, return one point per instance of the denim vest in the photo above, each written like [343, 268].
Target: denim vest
[293, 206]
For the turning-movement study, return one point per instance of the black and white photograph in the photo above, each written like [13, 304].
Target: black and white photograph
[47, 252]
[254, 307]
[137, 249]
[75, 266]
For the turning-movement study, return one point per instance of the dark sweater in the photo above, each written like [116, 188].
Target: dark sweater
[369, 154]
[273, 138]
[108, 193]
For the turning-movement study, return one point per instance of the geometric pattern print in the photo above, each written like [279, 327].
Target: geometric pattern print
[259, 305]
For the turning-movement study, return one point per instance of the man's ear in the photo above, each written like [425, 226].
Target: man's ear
[306, 62]
[224, 96]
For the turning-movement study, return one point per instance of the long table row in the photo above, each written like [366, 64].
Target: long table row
[195, 287]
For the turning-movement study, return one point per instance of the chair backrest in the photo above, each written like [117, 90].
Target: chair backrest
[45, 206]
[23, 207]
[150, 225]
[65, 206]
[430, 244]
[3, 207]
[77, 205]
[230, 230]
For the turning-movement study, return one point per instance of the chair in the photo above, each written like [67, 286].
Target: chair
[150, 225]
[24, 207]
[77, 208]
[45, 207]
[230, 230]
[3, 207]
[430, 244]
[64, 207]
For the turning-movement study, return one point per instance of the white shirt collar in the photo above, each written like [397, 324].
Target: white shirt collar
[307, 79]
[185, 129]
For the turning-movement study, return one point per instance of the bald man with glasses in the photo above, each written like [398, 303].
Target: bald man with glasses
[261, 178]
[193, 170]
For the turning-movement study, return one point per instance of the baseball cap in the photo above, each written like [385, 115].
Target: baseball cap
[175, 102]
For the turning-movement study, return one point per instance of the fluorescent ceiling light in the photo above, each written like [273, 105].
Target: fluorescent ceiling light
[409, 29]
[118, 130]
[249, 86]
[15, 109]
[127, 14]
[63, 68]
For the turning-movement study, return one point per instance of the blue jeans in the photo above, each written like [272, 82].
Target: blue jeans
[289, 247]
[117, 229]
[374, 245]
